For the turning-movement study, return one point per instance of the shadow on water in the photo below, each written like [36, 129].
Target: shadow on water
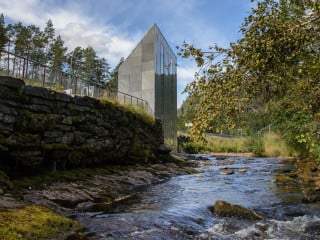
[178, 208]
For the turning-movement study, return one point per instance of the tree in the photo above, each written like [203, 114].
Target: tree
[89, 59]
[57, 55]
[4, 39]
[185, 114]
[272, 70]
[102, 72]
[49, 33]
[113, 81]
[3, 33]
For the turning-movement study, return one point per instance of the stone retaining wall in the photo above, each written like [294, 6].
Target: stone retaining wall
[43, 130]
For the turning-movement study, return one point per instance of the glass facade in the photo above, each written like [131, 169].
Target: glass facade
[150, 73]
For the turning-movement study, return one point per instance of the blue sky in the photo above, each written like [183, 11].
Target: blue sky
[114, 27]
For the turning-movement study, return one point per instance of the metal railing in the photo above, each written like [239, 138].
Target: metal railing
[124, 98]
[38, 74]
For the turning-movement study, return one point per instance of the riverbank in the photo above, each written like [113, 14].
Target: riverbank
[50, 203]
[68, 193]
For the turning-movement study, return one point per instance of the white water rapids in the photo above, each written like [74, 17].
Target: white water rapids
[178, 208]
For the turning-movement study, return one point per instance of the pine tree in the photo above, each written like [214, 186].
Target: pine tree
[57, 55]
[113, 82]
[49, 33]
[88, 74]
[102, 72]
[3, 33]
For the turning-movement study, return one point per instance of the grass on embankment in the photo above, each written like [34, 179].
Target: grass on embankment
[35, 222]
[269, 145]
[275, 146]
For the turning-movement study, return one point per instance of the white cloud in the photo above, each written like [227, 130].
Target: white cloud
[20, 10]
[75, 28]
[185, 75]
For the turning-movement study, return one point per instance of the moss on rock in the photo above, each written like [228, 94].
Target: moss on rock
[35, 222]
[224, 209]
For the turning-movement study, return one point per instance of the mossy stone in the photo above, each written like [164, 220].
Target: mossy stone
[224, 209]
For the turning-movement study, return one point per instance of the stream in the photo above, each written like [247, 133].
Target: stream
[178, 208]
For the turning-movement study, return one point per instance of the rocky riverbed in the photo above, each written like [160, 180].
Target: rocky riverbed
[62, 196]
[69, 193]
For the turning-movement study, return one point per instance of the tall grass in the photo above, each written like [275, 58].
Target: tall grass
[217, 144]
[228, 145]
[268, 145]
[275, 146]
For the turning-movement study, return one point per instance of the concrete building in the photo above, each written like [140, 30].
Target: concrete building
[150, 73]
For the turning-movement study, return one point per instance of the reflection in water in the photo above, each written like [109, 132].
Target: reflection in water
[178, 209]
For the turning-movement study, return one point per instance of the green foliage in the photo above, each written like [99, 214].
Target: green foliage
[219, 144]
[140, 112]
[263, 145]
[256, 146]
[3, 33]
[113, 81]
[194, 147]
[273, 70]
[216, 144]
[185, 114]
[35, 222]
[275, 146]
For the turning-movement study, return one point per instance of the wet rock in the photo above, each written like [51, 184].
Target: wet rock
[225, 209]
[227, 172]
[313, 169]
[242, 170]
[230, 161]
[285, 179]
[313, 228]
[311, 196]
[201, 158]
[220, 158]
[224, 167]
[164, 149]
[9, 202]
[262, 227]
[286, 169]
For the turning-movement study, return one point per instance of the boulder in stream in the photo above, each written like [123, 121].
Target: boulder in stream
[227, 172]
[225, 209]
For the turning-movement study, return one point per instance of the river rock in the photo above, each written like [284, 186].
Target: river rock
[284, 179]
[225, 209]
[227, 172]
[311, 195]
[164, 149]
[313, 228]
[5, 182]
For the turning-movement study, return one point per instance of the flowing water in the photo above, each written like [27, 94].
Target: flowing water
[178, 208]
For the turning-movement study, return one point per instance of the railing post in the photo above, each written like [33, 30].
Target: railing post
[8, 64]
[23, 68]
[75, 87]
[44, 76]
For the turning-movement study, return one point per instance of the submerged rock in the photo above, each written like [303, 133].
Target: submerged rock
[227, 172]
[225, 209]
[242, 170]
[224, 167]
[284, 179]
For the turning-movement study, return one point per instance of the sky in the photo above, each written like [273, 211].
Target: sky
[114, 27]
